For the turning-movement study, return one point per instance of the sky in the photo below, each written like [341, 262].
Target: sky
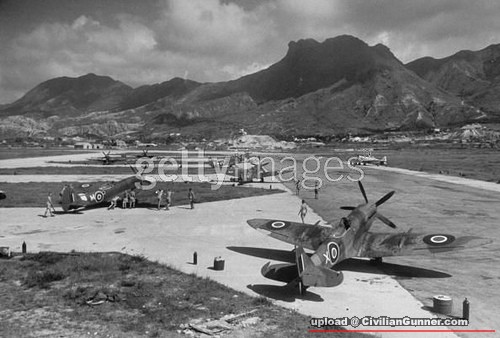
[150, 41]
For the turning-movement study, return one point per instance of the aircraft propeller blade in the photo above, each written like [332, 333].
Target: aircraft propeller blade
[385, 198]
[385, 220]
[363, 191]
[347, 208]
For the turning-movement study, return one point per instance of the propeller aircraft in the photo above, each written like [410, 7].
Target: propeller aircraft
[351, 238]
[369, 159]
[245, 172]
[107, 158]
[90, 194]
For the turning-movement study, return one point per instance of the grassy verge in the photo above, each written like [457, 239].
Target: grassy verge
[9, 153]
[87, 170]
[34, 194]
[116, 295]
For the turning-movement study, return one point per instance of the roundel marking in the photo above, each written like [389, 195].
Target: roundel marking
[333, 251]
[438, 239]
[278, 224]
[99, 196]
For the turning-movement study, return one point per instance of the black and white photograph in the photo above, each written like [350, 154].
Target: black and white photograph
[249, 168]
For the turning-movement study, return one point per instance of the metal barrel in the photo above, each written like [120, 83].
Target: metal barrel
[443, 304]
[218, 264]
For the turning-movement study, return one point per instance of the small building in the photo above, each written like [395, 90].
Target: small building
[83, 145]
[121, 144]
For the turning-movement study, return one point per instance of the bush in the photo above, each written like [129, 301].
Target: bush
[43, 278]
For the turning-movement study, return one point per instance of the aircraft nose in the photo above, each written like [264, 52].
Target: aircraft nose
[256, 223]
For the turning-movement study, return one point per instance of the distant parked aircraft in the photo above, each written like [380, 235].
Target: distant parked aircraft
[369, 159]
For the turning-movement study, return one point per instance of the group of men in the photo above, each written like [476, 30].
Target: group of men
[168, 198]
[298, 183]
[128, 200]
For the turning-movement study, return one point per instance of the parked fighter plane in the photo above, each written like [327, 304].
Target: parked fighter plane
[89, 194]
[109, 159]
[247, 171]
[351, 238]
[369, 159]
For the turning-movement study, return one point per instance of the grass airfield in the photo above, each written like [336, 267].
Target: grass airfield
[420, 202]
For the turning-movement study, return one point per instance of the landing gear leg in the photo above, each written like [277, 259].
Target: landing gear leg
[302, 288]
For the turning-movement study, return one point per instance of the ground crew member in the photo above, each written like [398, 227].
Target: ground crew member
[297, 187]
[303, 210]
[191, 198]
[132, 199]
[114, 200]
[169, 199]
[49, 207]
[159, 195]
[125, 200]
[316, 190]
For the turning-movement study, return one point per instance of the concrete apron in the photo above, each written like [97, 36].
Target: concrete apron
[171, 237]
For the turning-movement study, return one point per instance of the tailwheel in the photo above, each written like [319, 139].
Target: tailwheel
[376, 261]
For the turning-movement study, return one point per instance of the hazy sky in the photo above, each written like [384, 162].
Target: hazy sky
[150, 41]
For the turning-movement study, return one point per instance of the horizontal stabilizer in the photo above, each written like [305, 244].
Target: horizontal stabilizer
[280, 272]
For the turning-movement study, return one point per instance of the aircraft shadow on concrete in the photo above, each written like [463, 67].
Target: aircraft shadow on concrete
[396, 270]
[284, 293]
[351, 264]
[274, 254]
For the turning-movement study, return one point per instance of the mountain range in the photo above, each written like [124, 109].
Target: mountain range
[336, 86]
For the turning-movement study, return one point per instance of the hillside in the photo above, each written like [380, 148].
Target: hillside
[336, 86]
[473, 76]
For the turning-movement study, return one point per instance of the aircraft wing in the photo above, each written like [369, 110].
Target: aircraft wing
[309, 236]
[407, 244]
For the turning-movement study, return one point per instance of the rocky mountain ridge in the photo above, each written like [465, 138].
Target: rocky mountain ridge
[336, 86]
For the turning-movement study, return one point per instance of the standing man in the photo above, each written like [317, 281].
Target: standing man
[297, 187]
[316, 190]
[125, 199]
[303, 210]
[159, 195]
[49, 207]
[132, 199]
[169, 199]
[191, 198]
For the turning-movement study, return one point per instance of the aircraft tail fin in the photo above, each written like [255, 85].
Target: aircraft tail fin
[315, 275]
[66, 197]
